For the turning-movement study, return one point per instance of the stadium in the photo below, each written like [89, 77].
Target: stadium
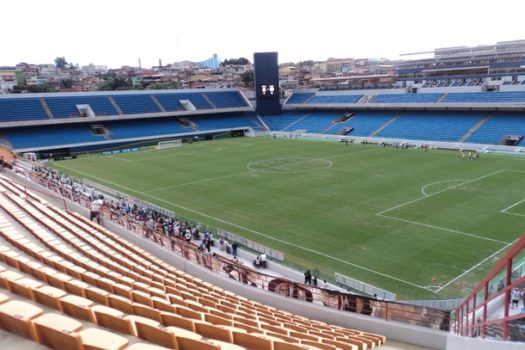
[407, 199]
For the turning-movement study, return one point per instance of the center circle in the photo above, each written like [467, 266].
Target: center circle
[289, 165]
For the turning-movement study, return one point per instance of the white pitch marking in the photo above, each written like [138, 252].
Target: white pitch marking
[438, 192]
[122, 159]
[435, 183]
[197, 182]
[512, 206]
[475, 266]
[442, 228]
[237, 174]
[509, 213]
[248, 230]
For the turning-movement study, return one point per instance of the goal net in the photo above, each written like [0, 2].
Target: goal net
[169, 144]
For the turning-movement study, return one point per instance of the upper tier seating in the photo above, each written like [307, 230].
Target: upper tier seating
[407, 98]
[65, 106]
[481, 97]
[300, 97]
[334, 99]
[16, 109]
[60, 260]
[498, 126]
[435, 126]
[170, 101]
[136, 104]
[226, 99]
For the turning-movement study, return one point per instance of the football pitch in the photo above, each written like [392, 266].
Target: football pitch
[419, 224]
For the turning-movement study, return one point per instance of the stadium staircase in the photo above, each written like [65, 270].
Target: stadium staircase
[371, 99]
[308, 99]
[442, 97]
[209, 101]
[161, 107]
[188, 123]
[46, 108]
[475, 128]
[115, 105]
[384, 126]
[364, 99]
[71, 284]
[297, 121]
[338, 121]
[265, 126]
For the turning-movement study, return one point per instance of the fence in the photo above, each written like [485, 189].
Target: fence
[364, 287]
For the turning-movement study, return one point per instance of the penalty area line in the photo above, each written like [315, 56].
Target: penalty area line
[475, 266]
[439, 192]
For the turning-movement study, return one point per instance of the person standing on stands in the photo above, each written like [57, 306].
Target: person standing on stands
[234, 248]
[96, 205]
[307, 277]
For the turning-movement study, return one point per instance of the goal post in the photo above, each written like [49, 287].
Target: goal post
[169, 144]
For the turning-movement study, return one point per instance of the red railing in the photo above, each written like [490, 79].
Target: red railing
[489, 311]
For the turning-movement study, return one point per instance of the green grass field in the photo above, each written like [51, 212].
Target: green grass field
[390, 217]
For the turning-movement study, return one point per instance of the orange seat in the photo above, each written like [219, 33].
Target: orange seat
[194, 344]
[77, 307]
[96, 339]
[58, 332]
[16, 317]
[172, 319]
[113, 319]
[48, 296]
[155, 334]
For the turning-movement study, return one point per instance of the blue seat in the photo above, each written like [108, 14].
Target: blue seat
[407, 98]
[136, 103]
[226, 99]
[334, 99]
[299, 97]
[432, 126]
[18, 109]
[498, 126]
[65, 106]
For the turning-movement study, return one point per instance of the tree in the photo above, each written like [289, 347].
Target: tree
[60, 62]
[115, 83]
[247, 78]
[163, 86]
[241, 61]
[66, 83]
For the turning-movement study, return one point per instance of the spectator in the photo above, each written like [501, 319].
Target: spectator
[307, 277]
[515, 297]
[263, 260]
[234, 248]
[96, 205]
[257, 262]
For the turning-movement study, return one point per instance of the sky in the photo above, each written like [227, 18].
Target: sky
[116, 32]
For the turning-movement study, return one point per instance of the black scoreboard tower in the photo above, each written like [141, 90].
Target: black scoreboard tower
[266, 79]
